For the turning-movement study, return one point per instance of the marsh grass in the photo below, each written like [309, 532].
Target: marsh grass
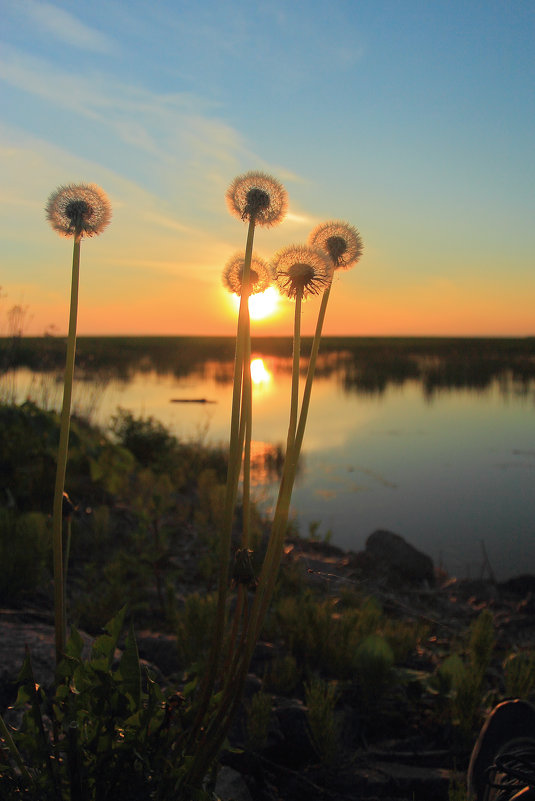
[366, 365]
[519, 674]
[258, 717]
[321, 698]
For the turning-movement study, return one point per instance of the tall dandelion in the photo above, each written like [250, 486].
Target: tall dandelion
[257, 199]
[300, 271]
[343, 246]
[341, 241]
[75, 210]
[260, 278]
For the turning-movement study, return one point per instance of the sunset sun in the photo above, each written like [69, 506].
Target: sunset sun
[261, 305]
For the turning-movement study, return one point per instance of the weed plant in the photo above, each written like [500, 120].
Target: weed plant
[258, 720]
[85, 745]
[105, 729]
[321, 698]
[519, 674]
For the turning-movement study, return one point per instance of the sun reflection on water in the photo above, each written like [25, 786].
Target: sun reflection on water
[259, 373]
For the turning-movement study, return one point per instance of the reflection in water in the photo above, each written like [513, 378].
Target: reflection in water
[361, 365]
[377, 453]
[259, 373]
[266, 463]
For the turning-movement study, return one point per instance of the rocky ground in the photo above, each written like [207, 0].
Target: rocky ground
[410, 762]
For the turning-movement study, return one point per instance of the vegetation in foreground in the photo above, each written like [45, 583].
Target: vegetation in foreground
[142, 529]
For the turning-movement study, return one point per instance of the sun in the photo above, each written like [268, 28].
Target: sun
[261, 305]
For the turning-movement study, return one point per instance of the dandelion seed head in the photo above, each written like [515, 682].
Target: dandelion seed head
[257, 196]
[78, 207]
[301, 270]
[260, 275]
[341, 241]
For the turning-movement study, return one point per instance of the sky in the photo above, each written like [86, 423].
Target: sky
[414, 121]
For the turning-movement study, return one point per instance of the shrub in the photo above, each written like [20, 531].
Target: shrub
[195, 622]
[258, 718]
[374, 660]
[106, 732]
[519, 674]
[320, 699]
[25, 550]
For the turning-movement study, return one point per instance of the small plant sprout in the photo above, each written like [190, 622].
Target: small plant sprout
[75, 210]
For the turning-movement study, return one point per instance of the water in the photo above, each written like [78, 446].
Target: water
[451, 470]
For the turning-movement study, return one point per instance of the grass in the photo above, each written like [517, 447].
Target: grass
[149, 495]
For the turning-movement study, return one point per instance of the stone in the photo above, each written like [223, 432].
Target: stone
[290, 743]
[389, 555]
[230, 786]
[160, 650]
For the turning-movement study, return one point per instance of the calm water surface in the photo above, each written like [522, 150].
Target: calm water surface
[453, 473]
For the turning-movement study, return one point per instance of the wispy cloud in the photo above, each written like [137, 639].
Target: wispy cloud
[64, 26]
[173, 129]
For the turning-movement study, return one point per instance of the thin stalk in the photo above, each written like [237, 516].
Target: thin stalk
[305, 404]
[247, 413]
[65, 420]
[237, 430]
[273, 556]
[66, 563]
[295, 373]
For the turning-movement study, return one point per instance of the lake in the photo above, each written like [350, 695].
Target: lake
[431, 439]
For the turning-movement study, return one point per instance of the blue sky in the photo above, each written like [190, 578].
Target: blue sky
[414, 121]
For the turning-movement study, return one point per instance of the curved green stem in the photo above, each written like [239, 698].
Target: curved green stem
[57, 512]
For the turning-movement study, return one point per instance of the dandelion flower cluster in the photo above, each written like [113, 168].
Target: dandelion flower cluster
[260, 276]
[301, 270]
[78, 207]
[340, 240]
[259, 197]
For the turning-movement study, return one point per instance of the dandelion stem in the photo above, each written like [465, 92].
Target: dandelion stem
[295, 373]
[237, 432]
[57, 512]
[247, 403]
[305, 403]
[268, 575]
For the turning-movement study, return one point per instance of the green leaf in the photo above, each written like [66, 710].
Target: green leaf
[105, 645]
[130, 669]
[74, 645]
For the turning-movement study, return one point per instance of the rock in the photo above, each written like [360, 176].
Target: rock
[293, 745]
[160, 650]
[388, 555]
[519, 585]
[230, 786]
[20, 629]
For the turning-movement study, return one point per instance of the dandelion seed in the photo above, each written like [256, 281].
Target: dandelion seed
[340, 240]
[260, 275]
[82, 208]
[259, 197]
[301, 270]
